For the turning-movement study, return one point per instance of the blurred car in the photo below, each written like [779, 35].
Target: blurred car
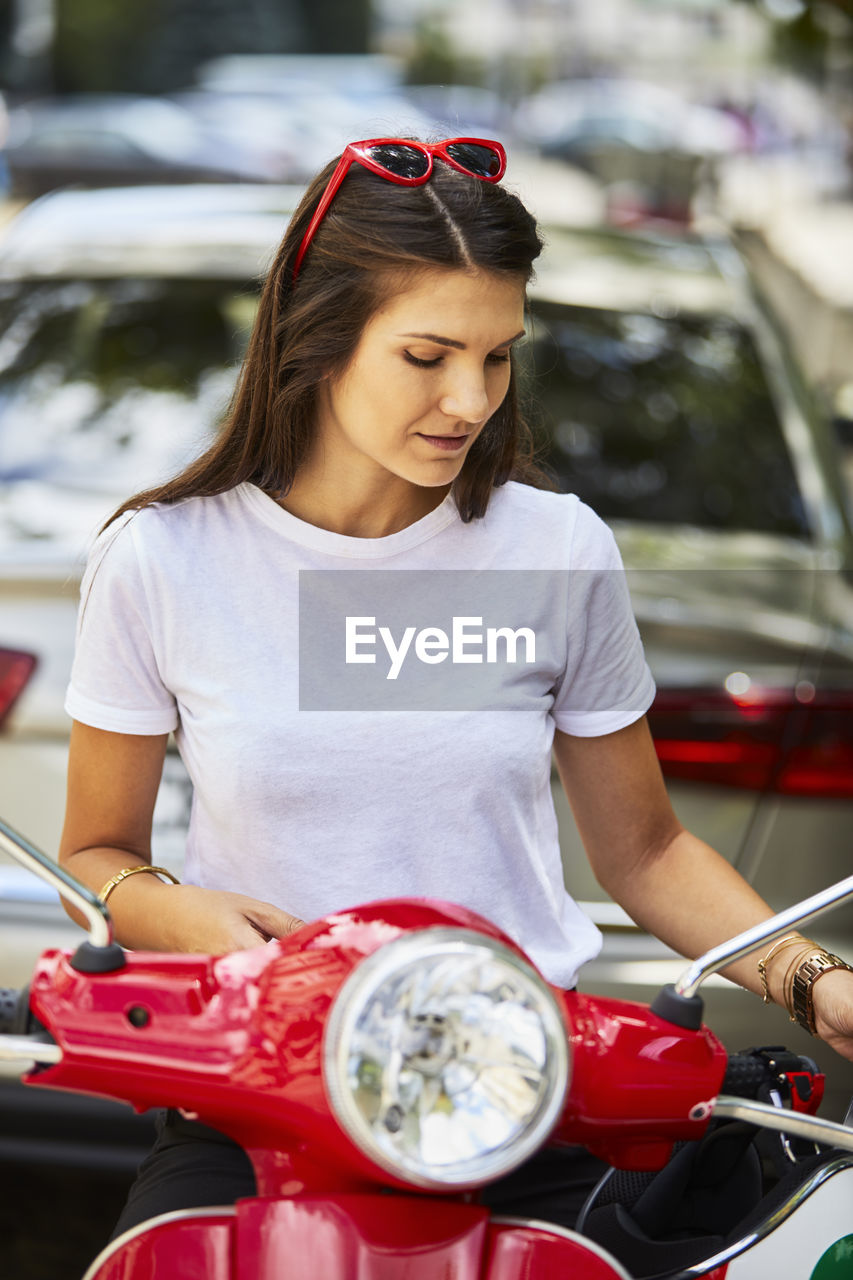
[291, 127]
[648, 145]
[98, 140]
[123, 315]
[16, 669]
[464, 110]
[570, 117]
[665, 398]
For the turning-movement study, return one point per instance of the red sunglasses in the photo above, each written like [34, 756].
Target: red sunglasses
[409, 164]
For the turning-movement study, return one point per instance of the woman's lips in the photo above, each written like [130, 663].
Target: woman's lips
[449, 443]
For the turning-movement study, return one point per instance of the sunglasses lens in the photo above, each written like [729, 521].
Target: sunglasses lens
[402, 161]
[483, 162]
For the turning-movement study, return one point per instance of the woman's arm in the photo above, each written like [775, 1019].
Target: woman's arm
[112, 786]
[669, 881]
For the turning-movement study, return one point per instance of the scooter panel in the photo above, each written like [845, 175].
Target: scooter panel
[183, 1245]
[811, 1242]
[522, 1249]
[359, 1237]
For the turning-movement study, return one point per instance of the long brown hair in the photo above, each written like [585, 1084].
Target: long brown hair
[375, 234]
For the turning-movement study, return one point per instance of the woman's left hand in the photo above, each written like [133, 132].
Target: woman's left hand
[833, 1009]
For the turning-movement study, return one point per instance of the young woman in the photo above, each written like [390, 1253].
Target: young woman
[375, 428]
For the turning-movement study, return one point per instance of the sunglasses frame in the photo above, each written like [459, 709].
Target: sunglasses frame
[357, 153]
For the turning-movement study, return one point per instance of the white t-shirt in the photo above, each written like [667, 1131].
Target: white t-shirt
[319, 793]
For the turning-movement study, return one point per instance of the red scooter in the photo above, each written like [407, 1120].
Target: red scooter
[383, 1064]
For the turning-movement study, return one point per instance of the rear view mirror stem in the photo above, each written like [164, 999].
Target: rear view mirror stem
[680, 1002]
[99, 953]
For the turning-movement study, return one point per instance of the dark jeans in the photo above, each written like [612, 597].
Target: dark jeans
[191, 1165]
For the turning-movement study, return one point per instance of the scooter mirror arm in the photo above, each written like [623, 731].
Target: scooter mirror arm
[680, 1003]
[728, 952]
[99, 954]
[791, 1122]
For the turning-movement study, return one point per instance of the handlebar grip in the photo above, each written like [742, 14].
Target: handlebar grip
[745, 1074]
[755, 1072]
[15, 1016]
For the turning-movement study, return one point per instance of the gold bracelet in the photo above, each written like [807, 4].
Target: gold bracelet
[762, 964]
[793, 964]
[132, 871]
[814, 966]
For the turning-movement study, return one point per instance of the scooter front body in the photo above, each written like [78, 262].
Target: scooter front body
[350, 1237]
[374, 1237]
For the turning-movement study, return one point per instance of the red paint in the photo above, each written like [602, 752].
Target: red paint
[368, 1237]
[813, 1085]
[535, 1253]
[635, 1080]
[191, 1249]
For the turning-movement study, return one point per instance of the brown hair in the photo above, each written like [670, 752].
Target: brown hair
[374, 234]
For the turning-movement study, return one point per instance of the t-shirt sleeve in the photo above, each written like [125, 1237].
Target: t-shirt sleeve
[606, 684]
[115, 678]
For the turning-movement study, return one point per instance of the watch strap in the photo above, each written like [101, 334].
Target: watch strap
[808, 971]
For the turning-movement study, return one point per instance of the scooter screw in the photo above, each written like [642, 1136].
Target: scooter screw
[394, 1119]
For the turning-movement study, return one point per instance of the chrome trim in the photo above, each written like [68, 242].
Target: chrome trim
[28, 1049]
[769, 1225]
[728, 952]
[97, 916]
[554, 1229]
[784, 1140]
[826, 1132]
[133, 1233]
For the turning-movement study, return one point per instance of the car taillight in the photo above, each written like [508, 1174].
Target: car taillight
[795, 742]
[16, 668]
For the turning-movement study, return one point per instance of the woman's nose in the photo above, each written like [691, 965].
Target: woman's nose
[466, 399]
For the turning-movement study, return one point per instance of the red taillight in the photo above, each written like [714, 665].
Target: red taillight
[15, 670]
[786, 741]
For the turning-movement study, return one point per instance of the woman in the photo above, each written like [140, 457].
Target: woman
[375, 428]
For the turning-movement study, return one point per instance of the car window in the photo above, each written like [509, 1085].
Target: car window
[112, 384]
[63, 138]
[666, 419]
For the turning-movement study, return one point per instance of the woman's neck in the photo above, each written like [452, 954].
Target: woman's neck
[356, 512]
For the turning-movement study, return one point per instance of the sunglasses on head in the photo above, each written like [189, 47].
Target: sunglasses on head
[408, 164]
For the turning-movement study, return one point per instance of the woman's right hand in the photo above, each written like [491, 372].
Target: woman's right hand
[213, 921]
[112, 786]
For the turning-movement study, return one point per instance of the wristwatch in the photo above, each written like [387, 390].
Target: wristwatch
[802, 987]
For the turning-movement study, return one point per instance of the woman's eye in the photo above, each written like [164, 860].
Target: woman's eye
[495, 357]
[422, 364]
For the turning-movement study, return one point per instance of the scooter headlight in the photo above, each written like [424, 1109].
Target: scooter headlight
[445, 1058]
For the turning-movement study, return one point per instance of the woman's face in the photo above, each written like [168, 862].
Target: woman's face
[430, 369]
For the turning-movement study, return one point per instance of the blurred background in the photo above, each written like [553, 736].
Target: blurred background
[691, 329]
[671, 108]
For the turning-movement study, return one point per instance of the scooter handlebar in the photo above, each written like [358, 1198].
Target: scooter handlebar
[15, 1016]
